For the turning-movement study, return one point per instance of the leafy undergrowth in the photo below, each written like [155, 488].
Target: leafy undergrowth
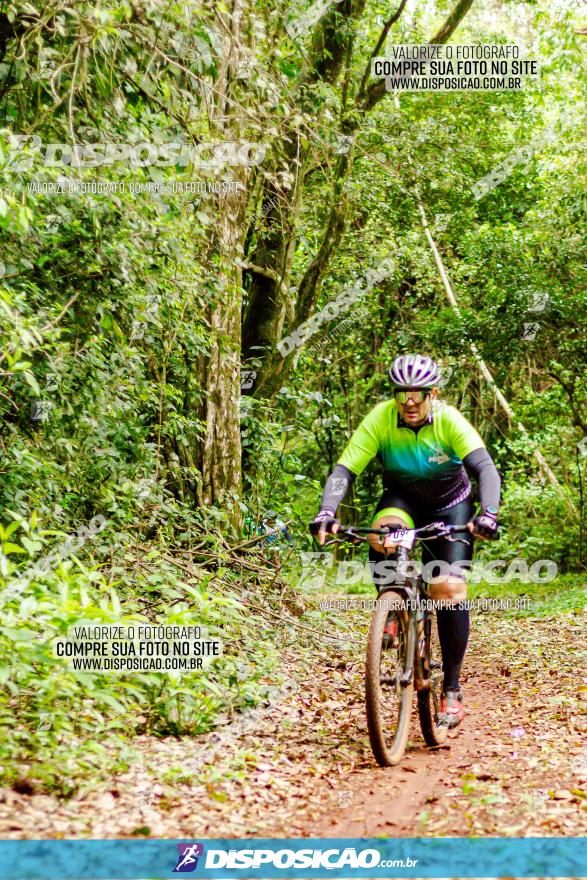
[63, 730]
[565, 594]
[74, 731]
[299, 763]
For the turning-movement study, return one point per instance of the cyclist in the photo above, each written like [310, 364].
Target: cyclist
[428, 451]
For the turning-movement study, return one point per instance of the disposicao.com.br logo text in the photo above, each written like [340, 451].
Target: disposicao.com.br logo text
[329, 859]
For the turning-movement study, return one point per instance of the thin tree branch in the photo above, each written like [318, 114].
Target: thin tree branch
[61, 313]
[264, 272]
[382, 38]
[377, 90]
[452, 22]
[484, 370]
[569, 389]
[70, 100]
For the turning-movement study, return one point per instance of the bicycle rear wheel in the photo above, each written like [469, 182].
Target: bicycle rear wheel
[429, 698]
[388, 704]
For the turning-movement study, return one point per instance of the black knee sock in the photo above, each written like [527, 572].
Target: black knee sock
[453, 634]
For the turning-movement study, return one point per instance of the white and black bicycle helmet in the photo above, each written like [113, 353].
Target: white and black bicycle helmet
[414, 371]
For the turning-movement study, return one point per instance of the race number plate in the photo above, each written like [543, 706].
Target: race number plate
[400, 538]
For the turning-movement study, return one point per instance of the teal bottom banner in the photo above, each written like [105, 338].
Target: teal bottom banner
[258, 858]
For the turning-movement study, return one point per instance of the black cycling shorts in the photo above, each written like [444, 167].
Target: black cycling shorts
[420, 513]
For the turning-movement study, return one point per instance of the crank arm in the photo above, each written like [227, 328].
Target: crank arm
[431, 680]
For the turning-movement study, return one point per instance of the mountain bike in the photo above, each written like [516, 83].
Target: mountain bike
[402, 655]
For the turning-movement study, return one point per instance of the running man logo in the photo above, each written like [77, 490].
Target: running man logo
[344, 143]
[538, 301]
[337, 485]
[247, 379]
[530, 331]
[187, 859]
[40, 410]
[445, 376]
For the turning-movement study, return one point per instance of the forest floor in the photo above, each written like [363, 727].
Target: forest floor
[302, 767]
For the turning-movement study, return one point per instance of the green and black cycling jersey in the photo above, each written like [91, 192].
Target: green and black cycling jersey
[430, 463]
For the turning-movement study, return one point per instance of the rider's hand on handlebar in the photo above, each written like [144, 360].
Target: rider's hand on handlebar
[324, 523]
[484, 526]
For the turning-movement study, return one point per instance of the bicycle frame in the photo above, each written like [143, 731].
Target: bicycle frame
[412, 670]
[411, 585]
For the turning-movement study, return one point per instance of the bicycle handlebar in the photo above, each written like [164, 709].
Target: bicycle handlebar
[358, 533]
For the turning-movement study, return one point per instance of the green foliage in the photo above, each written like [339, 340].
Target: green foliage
[111, 329]
[75, 726]
[523, 238]
[565, 594]
[537, 524]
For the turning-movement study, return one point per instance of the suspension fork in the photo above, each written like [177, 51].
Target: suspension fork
[423, 668]
[408, 673]
[405, 582]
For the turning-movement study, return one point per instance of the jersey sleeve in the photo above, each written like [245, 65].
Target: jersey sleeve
[363, 445]
[462, 436]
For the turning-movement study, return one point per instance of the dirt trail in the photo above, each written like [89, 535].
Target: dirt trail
[391, 801]
[516, 767]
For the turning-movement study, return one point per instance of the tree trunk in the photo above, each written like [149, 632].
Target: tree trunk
[270, 265]
[220, 455]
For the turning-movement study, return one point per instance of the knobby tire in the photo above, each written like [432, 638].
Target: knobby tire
[387, 742]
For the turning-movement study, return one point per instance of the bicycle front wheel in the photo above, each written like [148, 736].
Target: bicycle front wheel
[388, 704]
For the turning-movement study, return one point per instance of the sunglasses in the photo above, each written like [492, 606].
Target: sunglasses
[417, 395]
